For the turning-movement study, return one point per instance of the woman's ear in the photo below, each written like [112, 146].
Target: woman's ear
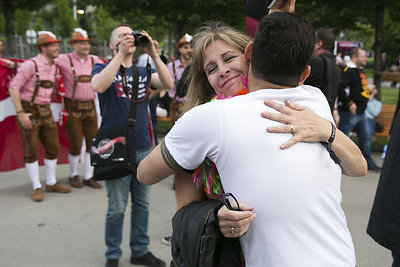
[247, 52]
[305, 74]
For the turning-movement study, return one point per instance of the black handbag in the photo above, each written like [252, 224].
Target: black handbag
[112, 153]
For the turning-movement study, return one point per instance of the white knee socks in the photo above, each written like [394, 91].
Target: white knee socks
[50, 168]
[73, 164]
[33, 172]
[88, 167]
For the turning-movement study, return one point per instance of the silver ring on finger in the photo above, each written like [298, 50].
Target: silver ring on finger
[291, 128]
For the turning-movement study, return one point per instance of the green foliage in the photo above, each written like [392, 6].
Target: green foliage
[2, 23]
[392, 36]
[363, 32]
[22, 17]
[38, 25]
[105, 23]
[64, 21]
[180, 16]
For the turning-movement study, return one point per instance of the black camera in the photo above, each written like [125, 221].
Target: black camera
[140, 39]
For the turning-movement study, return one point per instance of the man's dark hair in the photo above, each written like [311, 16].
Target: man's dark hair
[327, 38]
[282, 48]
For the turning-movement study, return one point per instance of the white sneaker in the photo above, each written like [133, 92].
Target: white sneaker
[166, 240]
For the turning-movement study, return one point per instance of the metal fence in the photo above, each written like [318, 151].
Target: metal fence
[26, 48]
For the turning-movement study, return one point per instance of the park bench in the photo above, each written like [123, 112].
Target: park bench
[165, 119]
[390, 76]
[386, 117]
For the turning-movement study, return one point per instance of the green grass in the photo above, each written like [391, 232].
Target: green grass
[389, 96]
[163, 127]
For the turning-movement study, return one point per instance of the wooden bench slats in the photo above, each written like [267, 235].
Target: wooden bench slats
[386, 117]
[390, 76]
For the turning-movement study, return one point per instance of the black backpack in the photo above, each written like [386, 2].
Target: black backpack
[197, 241]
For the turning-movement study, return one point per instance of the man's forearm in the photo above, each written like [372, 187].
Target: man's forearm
[16, 100]
[154, 168]
[353, 161]
[103, 80]
[164, 77]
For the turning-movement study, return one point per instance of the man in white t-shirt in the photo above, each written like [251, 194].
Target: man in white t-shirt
[295, 192]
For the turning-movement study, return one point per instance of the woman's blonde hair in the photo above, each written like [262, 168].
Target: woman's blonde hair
[200, 90]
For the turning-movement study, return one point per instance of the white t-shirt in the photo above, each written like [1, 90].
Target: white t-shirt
[143, 61]
[295, 192]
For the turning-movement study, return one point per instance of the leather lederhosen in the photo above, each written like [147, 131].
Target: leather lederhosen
[43, 122]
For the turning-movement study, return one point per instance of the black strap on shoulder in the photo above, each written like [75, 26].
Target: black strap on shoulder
[132, 109]
[132, 98]
[329, 77]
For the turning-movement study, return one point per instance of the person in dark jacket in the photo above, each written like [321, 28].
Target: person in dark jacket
[353, 99]
[325, 74]
[384, 221]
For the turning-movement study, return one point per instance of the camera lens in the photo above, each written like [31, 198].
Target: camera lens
[140, 40]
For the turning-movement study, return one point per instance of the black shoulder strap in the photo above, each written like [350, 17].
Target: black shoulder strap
[135, 87]
[132, 98]
[329, 77]
[132, 114]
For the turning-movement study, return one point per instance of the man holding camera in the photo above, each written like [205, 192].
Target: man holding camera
[107, 80]
[75, 69]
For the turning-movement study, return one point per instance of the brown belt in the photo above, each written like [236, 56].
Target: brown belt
[45, 83]
[83, 78]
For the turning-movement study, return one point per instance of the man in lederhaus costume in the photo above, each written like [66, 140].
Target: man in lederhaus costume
[176, 69]
[75, 69]
[31, 92]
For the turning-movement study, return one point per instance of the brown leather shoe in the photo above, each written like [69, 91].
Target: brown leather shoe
[75, 182]
[92, 183]
[37, 195]
[58, 188]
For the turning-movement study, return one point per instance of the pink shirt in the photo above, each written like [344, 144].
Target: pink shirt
[25, 80]
[83, 91]
[179, 68]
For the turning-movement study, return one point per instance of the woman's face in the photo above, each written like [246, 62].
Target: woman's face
[224, 66]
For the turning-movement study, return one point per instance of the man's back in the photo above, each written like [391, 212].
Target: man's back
[295, 193]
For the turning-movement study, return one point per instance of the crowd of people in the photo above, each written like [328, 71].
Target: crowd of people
[222, 80]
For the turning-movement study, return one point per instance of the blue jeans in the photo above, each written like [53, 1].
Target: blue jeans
[359, 123]
[118, 194]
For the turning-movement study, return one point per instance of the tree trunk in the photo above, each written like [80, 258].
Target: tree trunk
[379, 14]
[178, 33]
[8, 13]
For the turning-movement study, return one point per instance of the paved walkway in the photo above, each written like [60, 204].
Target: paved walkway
[67, 229]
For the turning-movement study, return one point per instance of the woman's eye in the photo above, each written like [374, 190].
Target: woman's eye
[211, 70]
[227, 59]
